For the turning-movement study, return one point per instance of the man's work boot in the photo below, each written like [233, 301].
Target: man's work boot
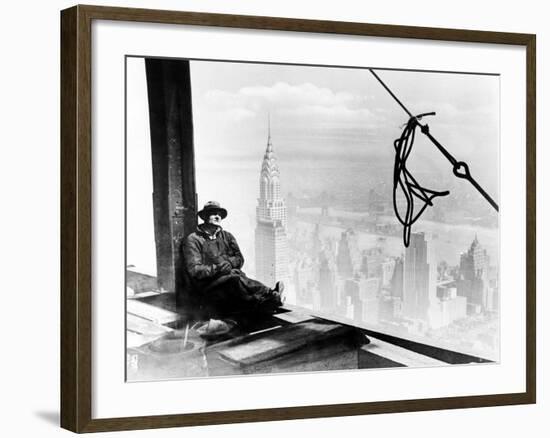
[278, 292]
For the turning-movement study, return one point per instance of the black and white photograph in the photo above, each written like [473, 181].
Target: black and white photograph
[276, 219]
[287, 218]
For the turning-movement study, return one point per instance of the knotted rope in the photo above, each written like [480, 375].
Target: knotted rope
[403, 179]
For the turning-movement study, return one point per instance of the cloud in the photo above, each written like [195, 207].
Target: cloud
[304, 100]
[285, 95]
[239, 114]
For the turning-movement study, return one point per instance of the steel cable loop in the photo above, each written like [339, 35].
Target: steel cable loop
[403, 179]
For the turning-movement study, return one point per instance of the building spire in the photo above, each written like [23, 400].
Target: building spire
[270, 168]
[269, 146]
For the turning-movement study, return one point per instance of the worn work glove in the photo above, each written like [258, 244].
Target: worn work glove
[224, 267]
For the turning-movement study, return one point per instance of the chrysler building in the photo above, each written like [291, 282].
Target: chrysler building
[271, 233]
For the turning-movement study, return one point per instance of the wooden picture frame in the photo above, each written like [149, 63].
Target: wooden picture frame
[76, 217]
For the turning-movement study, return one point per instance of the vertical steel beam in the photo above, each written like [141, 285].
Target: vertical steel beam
[171, 125]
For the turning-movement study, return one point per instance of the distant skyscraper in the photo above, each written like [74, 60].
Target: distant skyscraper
[448, 309]
[371, 262]
[271, 234]
[305, 278]
[347, 254]
[327, 282]
[473, 277]
[368, 292]
[418, 279]
[396, 285]
[387, 269]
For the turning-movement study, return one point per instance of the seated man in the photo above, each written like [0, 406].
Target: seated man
[213, 262]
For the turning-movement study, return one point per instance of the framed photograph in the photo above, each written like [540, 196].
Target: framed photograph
[268, 218]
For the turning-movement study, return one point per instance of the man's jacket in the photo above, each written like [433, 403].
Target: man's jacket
[203, 252]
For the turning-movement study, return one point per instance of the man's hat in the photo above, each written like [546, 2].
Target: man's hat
[212, 207]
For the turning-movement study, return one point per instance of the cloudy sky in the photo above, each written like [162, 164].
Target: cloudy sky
[339, 115]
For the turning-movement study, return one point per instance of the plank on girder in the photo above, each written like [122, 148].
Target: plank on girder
[152, 313]
[144, 326]
[399, 354]
[252, 349]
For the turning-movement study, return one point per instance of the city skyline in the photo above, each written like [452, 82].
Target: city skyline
[414, 293]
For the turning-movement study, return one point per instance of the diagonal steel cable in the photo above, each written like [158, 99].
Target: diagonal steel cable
[460, 168]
